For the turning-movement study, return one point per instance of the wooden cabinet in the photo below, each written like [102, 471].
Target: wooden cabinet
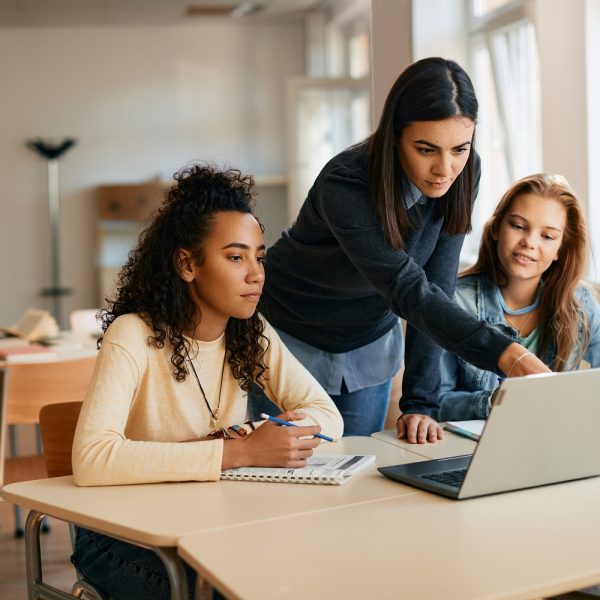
[130, 202]
[124, 210]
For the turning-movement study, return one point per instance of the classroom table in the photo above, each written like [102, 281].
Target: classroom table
[518, 545]
[158, 515]
[452, 444]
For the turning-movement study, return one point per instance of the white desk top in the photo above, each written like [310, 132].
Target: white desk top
[159, 514]
[70, 347]
[519, 545]
[451, 445]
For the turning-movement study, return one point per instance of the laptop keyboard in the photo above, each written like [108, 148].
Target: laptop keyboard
[452, 478]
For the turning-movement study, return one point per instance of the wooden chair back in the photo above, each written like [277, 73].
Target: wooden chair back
[57, 425]
[29, 386]
[26, 388]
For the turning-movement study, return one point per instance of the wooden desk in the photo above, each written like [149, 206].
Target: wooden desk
[451, 445]
[519, 545]
[157, 515]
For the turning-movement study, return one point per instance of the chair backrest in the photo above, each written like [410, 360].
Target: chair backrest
[29, 386]
[26, 388]
[57, 425]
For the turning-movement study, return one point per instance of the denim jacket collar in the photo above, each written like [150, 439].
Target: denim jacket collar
[491, 312]
[487, 301]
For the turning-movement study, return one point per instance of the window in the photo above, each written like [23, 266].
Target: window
[505, 72]
[330, 109]
[481, 8]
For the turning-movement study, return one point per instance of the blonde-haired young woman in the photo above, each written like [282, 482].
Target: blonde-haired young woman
[527, 283]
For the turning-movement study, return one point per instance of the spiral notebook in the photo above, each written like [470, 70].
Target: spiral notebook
[330, 469]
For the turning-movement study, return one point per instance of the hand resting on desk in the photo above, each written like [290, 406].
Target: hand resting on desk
[418, 429]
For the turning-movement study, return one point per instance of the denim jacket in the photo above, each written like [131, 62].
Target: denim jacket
[466, 390]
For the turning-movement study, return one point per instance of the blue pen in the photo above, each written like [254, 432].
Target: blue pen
[282, 422]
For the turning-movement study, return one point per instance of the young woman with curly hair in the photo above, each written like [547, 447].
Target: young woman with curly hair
[183, 343]
[527, 284]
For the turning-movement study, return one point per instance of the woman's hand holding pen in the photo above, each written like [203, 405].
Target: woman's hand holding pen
[517, 361]
[272, 445]
[418, 429]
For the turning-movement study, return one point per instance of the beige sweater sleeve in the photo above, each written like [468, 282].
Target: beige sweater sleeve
[104, 453]
[292, 387]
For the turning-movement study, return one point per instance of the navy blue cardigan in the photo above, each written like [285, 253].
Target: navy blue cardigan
[335, 283]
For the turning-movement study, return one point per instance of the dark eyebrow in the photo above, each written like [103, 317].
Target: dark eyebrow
[426, 143]
[241, 246]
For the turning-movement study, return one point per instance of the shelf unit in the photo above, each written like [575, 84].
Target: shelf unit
[124, 210]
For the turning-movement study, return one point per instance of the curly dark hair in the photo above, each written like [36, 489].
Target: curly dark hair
[149, 284]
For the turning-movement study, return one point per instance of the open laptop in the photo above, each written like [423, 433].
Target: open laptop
[542, 429]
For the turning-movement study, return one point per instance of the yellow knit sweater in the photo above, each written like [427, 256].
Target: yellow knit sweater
[136, 415]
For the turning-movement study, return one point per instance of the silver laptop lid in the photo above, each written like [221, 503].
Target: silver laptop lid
[542, 429]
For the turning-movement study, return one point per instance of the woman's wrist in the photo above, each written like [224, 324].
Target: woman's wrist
[234, 454]
[517, 360]
[507, 359]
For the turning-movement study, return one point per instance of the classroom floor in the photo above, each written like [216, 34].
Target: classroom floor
[56, 550]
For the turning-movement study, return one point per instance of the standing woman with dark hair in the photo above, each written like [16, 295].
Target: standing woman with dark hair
[183, 344]
[379, 237]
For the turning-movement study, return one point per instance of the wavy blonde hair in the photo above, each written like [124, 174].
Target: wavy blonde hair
[560, 311]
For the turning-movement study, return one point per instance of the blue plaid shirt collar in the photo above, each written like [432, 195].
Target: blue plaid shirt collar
[412, 195]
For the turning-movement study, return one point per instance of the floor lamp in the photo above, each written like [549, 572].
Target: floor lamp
[52, 152]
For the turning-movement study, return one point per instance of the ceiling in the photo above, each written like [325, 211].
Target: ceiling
[15, 13]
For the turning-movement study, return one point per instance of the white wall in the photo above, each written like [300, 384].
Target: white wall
[391, 47]
[570, 74]
[439, 29]
[560, 28]
[142, 102]
[593, 140]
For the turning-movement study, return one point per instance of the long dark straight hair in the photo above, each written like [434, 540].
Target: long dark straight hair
[431, 89]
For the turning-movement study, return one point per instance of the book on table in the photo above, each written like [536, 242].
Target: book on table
[33, 325]
[21, 353]
[329, 469]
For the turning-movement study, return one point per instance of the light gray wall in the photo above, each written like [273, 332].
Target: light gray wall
[142, 102]
[439, 29]
[391, 47]
[570, 72]
[593, 140]
[563, 88]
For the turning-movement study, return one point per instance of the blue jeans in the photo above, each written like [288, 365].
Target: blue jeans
[123, 571]
[363, 411]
